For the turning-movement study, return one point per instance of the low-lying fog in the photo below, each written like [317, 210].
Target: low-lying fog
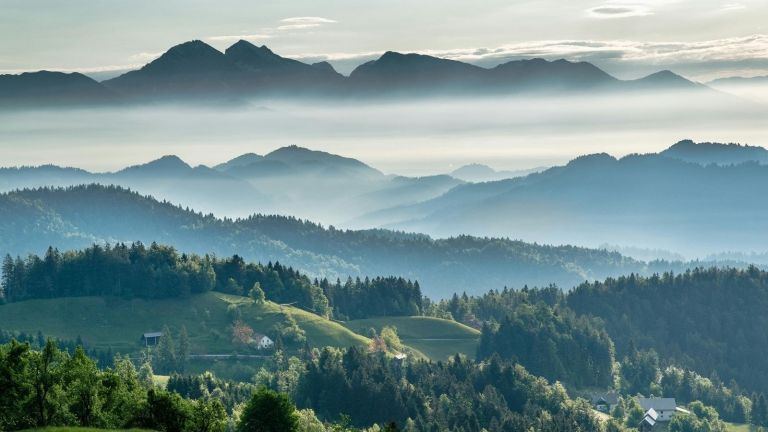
[404, 137]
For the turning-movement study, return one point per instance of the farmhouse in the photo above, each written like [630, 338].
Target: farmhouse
[263, 341]
[605, 402]
[649, 421]
[665, 408]
[151, 338]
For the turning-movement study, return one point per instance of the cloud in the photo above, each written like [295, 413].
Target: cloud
[732, 7]
[610, 10]
[298, 26]
[308, 20]
[146, 56]
[302, 23]
[234, 38]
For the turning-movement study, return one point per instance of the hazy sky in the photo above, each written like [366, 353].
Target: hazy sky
[701, 39]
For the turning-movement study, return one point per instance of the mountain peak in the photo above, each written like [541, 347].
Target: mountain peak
[239, 161]
[168, 164]
[324, 65]
[667, 78]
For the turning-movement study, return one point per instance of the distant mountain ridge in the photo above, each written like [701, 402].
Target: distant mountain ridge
[289, 180]
[194, 71]
[716, 153]
[695, 199]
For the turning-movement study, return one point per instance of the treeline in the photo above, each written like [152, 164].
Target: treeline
[356, 299]
[552, 343]
[458, 395]
[103, 357]
[708, 320]
[159, 271]
[49, 387]
[534, 328]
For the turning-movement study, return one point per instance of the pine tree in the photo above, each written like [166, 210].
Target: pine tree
[182, 355]
[166, 352]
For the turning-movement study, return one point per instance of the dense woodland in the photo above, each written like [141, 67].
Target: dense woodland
[709, 320]
[552, 343]
[693, 336]
[159, 271]
[377, 297]
[49, 387]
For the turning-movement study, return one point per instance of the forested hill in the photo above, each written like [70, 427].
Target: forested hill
[73, 218]
[711, 321]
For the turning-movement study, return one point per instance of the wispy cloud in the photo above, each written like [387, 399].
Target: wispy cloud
[301, 23]
[146, 56]
[308, 20]
[234, 38]
[618, 9]
[732, 7]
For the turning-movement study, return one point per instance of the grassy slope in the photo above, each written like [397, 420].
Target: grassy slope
[119, 324]
[437, 338]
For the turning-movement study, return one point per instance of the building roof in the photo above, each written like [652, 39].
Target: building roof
[658, 404]
[610, 398]
[152, 335]
[650, 417]
[652, 414]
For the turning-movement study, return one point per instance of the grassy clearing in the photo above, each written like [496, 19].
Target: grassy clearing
[436, 338]
[119, 324]
[736, 427]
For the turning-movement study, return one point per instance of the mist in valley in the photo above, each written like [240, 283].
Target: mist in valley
[409, 144]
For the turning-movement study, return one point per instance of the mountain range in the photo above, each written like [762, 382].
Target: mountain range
[694, 199]
[657, 201]
[194, 70]
[290, 180]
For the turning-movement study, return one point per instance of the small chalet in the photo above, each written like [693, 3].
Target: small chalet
[649, 421]
[263, 341]
[605, 402]
[151, 338]
[665, 408]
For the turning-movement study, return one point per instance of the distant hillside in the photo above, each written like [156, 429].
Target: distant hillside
[290, 180]
[46, 88]
[32, 220]
[647, 201]
[740, 80]
[484, 173]
[196, 72]
[716, 153]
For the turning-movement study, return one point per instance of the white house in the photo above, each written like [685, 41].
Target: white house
[262, 341]
[648, 423]
[665, 408]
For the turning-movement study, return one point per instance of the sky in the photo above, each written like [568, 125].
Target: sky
[700, 39]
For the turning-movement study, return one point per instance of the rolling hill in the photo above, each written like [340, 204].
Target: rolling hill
[436, 338]
[118, 324]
